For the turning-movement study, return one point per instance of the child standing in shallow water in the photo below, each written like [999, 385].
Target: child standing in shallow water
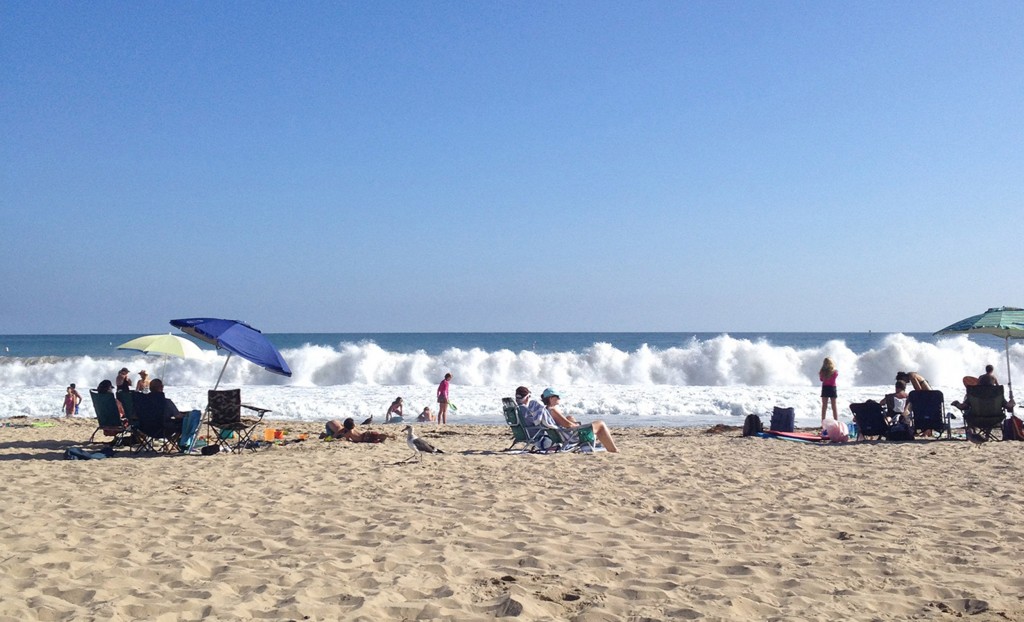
[828, 375]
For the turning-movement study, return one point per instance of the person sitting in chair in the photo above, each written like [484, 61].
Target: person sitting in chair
[107, 386]
[538, 415]
[988, 379]
[171, 415]
[601, 431]
[896, 404]
[965, 406]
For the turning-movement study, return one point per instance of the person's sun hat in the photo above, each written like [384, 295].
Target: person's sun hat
[549, 392]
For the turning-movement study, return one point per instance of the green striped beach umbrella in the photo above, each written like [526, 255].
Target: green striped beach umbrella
[1005, 322]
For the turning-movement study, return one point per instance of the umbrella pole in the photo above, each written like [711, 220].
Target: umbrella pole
[209, 428]
[226, 366]
[1009, 381]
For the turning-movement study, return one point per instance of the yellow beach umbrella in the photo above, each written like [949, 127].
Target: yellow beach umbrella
[166, 345]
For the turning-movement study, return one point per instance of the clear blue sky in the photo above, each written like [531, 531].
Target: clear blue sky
[512, 166]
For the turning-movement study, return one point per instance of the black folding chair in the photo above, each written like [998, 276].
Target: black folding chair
[151, 426]
[870, 419]
[224, 416]
[929, 410]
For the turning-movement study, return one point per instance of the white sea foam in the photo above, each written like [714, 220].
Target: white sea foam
[714, 380]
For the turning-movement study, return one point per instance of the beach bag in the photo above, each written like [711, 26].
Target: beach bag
[782, 419]
[1013, 429]
[900, 432]
[752, 425]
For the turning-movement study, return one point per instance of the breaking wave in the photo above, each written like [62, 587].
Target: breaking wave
[720, 361]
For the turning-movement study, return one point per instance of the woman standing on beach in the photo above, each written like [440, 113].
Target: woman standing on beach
[828, 374]
[124, 380]
[442, 399]
[142, 386]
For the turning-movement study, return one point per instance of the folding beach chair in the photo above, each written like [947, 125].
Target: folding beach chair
[511, 412]
[581, 439]
[224, 416]
[985, 406]
[127, 399]
[108, 418]
[870, 419]
[552, 436]
[533, 438]
[185, 440]
[929, 410]
[150, 422]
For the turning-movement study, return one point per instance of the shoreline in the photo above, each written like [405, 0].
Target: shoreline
[682, 524]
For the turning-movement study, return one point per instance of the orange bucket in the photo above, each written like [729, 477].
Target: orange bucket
[268, 434]
[278, 434]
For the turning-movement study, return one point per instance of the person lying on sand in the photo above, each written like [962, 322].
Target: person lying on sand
[347, 430]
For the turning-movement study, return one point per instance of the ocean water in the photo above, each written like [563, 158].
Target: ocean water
[626, 379]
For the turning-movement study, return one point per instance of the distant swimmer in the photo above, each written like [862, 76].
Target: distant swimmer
[395, 411]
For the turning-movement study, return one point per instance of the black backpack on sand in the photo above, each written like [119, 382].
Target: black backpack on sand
[752, 426]
[900, 431]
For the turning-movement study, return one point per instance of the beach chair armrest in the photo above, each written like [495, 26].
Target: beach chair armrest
[261, 411]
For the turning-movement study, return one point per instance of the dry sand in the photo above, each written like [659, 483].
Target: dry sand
[682, 525]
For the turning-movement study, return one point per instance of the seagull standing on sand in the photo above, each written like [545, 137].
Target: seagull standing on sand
[419, 445]
[367, 421]
[975, 437]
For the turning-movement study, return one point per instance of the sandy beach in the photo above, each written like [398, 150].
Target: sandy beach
[684, 524]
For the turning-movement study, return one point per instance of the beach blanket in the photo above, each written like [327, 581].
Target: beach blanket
[799, 437]
[77, 453]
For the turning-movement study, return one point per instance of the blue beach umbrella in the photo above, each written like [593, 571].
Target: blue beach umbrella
[1005, 322]
[237, 338]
